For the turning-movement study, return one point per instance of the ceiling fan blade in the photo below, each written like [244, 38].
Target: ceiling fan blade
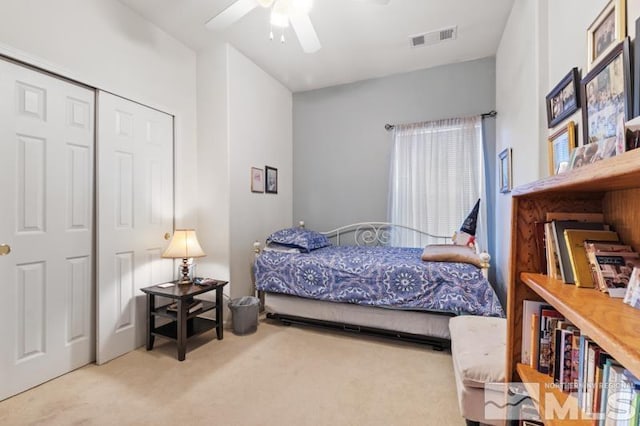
[231, 14]
[306, 33]
[380, 2]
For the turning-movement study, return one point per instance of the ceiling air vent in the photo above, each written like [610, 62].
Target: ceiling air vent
[434, 37]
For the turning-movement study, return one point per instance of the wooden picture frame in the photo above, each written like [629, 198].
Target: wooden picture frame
[564, 99]
[561, 145]
[606, 31]
[257, 180]
[271, 180]
[605, 94]
[504, 171]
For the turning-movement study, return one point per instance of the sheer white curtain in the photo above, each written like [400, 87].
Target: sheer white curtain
[437, 175]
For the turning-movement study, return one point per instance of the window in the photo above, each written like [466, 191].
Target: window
[437, 175]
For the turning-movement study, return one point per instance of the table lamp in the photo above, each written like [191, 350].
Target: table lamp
[184, 245]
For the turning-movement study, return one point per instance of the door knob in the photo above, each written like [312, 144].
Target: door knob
[167, 236]
[5, 249]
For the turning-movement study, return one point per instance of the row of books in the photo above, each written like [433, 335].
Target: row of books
[604, 388]
[578, 248]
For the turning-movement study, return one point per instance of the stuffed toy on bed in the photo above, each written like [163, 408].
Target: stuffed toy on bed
[466, 236]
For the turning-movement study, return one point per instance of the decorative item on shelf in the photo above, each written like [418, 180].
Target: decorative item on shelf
[184, 245]
[564, 99]
[257, 180]
[606, 99]
[271, 181]
[561, 145]
[607, 29]
[505, 171]
[632, 131]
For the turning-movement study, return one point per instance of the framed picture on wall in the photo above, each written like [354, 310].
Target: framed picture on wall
[564, 99]
[606, 97]
[257, 180]
[606, 31]
[271, 181]
[561, 145]
[505, 171]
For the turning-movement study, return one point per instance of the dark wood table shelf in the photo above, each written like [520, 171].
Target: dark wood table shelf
[162, 311]
[195, 326]
[183, 325]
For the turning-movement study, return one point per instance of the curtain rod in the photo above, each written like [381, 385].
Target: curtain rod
[484, 115]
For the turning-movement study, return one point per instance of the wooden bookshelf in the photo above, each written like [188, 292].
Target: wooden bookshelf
[611, 187]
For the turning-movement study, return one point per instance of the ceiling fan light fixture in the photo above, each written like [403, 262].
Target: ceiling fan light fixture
[280, 20]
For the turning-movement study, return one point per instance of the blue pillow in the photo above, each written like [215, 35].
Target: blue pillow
[300, 238]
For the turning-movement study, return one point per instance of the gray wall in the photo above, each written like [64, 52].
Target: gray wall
[341, 149]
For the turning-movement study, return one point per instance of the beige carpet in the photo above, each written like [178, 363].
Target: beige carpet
[277, 376]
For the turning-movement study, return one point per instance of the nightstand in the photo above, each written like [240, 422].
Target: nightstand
[183, 324]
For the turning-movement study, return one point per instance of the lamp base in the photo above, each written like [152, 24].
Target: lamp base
[185, 273]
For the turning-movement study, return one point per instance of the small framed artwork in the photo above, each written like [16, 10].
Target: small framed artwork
[606, 97]
[561, 145]
[606, 31]
[271, 181]
[505, 170]
[257, 180]
[564, 99]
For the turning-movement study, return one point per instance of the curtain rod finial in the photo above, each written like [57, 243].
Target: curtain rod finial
[388, 127]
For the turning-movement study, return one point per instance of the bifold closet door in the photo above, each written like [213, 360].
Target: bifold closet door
[46, 227]
[135, 217]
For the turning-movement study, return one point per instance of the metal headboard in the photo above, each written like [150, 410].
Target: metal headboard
[378, 233]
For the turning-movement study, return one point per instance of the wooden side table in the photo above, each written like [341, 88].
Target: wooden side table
[183, 324]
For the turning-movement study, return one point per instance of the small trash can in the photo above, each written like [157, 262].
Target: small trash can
[244, 314]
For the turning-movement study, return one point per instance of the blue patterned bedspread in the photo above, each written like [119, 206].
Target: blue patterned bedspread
[389, 277]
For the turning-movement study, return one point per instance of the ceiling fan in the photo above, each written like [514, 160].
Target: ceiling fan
[283, 12]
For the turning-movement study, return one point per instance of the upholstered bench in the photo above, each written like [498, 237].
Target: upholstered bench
[478, 353]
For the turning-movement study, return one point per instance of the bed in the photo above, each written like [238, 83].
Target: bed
[360, 283]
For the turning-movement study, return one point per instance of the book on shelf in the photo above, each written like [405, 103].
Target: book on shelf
[553, 260]
[541, 247]
[592, 353]
[548, 318]
[566, 373]
[577, 216]
[559, 226]
[598, 383]
[554, 345]
[194, 306]
[592, 247]
[632, 293]
[575, 359]
[613, 270]
[530, 323]
[580, 266]
[607, 382]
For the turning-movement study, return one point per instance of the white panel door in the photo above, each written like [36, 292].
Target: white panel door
[46, 173]
[135, 212]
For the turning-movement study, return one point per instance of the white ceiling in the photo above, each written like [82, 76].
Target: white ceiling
[359, 40]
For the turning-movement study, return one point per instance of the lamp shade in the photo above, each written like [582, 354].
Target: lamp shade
[184, 244]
